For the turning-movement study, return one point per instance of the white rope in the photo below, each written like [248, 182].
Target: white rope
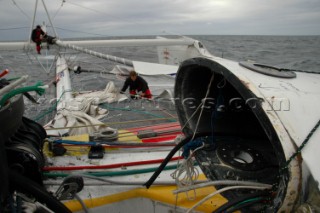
[84, 207]
[191, 116]
[185, 175]
[222, 190]
[221, 182]
[207, 93]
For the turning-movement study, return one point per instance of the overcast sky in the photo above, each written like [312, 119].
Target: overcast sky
[83, 18]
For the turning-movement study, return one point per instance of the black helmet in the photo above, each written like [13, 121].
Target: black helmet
[38, 26]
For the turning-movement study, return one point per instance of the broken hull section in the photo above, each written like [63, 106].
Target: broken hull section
[218, 98]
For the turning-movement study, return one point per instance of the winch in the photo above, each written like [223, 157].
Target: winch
[23, 140]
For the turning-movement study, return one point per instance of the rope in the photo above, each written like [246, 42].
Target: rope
[303, 71]
[37, 87]
[107, 166]
[110, 123]
[105, 106]
[20, 9]
[114, 173]
[58, 10]
[205, 98]
[51, 109]
[186, 174]
[306, 140]
[222, 190]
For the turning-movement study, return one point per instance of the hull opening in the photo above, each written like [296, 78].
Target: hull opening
[211, 99]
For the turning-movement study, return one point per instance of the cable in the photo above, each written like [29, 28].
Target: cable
[245, 203]
[222, 190]
[237, 200]
[169, 156]
[222, 182]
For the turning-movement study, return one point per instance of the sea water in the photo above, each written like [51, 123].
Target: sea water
[291, 52]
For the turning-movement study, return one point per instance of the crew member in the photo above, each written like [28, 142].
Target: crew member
[37, 36]
[136, 84]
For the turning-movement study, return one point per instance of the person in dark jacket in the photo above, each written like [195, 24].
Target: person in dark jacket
[37, 36]
[136, 84]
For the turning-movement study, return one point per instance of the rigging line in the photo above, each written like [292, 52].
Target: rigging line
[20, 9]
[306, 140]
[63, 1]
[97, 11]
[49, 18]
[87, 8]
[207, 93]
[303, 71]
[77, 31]
[13, 28]
[191, 116]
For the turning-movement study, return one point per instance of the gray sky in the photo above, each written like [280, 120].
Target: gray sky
[83, 18]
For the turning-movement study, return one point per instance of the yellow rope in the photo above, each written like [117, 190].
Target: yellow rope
[111, 123]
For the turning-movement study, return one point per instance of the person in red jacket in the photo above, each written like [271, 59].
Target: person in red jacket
[136, 84]
[37, 36]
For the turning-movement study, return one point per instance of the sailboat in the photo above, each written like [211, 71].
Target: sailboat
[237, 143]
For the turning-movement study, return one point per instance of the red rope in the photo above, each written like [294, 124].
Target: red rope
[109, 166]
[4, 72]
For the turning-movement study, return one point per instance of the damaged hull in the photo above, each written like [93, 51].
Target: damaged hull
[255, 122]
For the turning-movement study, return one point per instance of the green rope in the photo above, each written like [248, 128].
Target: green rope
[12, 93]
[51, 109]
[114, 173]
[132, 110]
[301, 146]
